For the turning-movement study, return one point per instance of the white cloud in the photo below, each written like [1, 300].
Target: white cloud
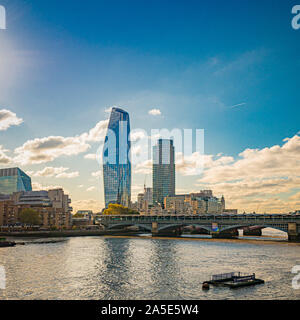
[189, 165]
[137, 134]
[42, 150]
[37, 187]
[97, 133]
[68, 175]
[270, 162]
[87, 204]
[90, 156]
[49, 172]
[4, 159]
[60, 172]
[144, 167]
[8, 119]
[154, 112]
[259, 178]
[90, 189]
[97, 173]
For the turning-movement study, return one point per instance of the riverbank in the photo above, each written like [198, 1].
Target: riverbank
[67, 233]
[238, 240]
[121, 234]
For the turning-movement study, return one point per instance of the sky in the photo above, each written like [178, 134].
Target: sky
[228, 67]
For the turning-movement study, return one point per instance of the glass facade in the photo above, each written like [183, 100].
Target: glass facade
[163, 170]
[116, 159]
[14, 180]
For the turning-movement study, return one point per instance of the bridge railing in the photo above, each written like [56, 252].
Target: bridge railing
[241, 218]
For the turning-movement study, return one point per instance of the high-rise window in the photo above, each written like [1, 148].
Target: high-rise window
[116, 159]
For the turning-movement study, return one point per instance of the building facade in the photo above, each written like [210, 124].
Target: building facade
[14, 180]
[148, 195]
[144, 200]
[116, 159]
[140, 201]
[203, 202]
[163, 171]
[179, 204]
[52, 206]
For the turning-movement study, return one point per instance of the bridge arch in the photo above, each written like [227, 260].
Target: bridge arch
[170, 226]
[234, 227]
[123, 225]
[205, 227]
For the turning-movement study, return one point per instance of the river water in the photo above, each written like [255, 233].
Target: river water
[145, 268]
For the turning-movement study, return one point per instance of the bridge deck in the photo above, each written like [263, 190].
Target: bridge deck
[212, 218]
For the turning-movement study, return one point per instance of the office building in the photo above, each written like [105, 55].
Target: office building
[163, 171]
[203, 202]
[116, 159]
[14, 180]
[53, 207]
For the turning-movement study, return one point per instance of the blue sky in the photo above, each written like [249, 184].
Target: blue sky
[63, 63]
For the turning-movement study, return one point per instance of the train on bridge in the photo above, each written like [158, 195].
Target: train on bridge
[218, 225]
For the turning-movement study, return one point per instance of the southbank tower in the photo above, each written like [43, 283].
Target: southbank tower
[163, 170]
[116, 159]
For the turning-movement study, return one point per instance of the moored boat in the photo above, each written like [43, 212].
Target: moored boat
[234, 280]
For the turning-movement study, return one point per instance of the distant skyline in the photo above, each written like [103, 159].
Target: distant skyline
[230, 68]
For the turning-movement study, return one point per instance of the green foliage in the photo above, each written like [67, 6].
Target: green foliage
[78, 215]
[30, 217]
[118, 209]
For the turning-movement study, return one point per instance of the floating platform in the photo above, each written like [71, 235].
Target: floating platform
[233, 280]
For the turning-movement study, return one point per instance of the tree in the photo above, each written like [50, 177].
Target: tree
[78, 215]
[30, 217]
[118, 209]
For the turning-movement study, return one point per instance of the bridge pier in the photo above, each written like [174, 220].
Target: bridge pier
[294, 238]
[174, 232]
[252, 232]
[230, 234]
[293, 232]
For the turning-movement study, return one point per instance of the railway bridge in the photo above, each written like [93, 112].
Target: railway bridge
[218, 225]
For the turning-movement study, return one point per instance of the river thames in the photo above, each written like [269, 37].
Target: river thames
[97, 268]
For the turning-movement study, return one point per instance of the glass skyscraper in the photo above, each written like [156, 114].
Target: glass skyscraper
[116, 159]
[163, 170]
[14, 180]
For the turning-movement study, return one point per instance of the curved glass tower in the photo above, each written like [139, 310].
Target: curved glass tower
[116, 159]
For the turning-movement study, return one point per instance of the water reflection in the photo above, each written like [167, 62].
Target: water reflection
[128, 268]
[165, 271]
